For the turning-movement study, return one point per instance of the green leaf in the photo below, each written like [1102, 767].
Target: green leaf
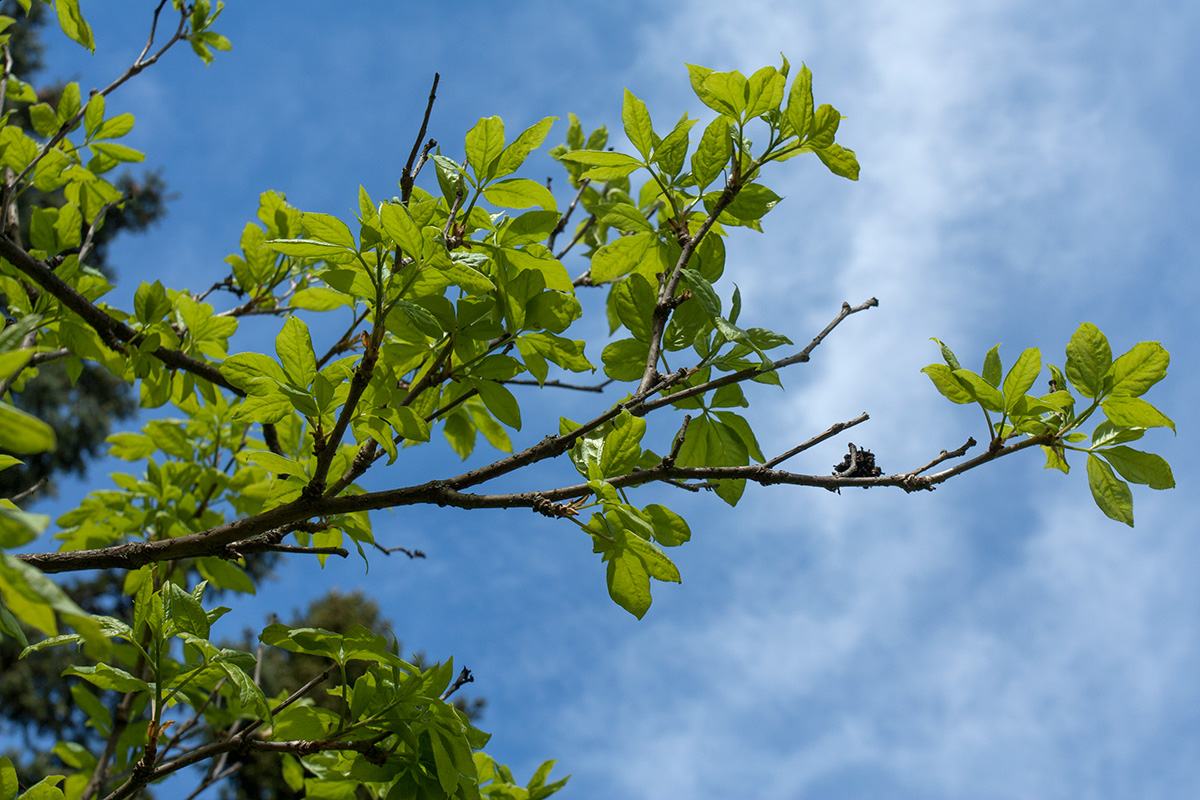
[824, 126]
[711, 443]
[623, 216]
[24, 433]
[1055, 460]
[992, 370]
[620, 256]
[71, 20]
[799, 111]
[273, 462]
[1022, 376]
[841, 161]
[637, 124]
[253, 373]
[703, 292]
[670, 529]
[945, 382]
[43, 119]
[984, 393]
[625, 359]
[9, 786]
[1088, 360]
[19, 527]
[150, 302]
[629, 584]
[225, 575]
[633, 299]
[295, 350]
[113, 128]
[327, 228]
[1139, 467]
[622, 447]
[520, 193]
[117, 152]
[1134, 412]
[308, 248]
[484, 144]
[532, 226]
[515, 154]
[500, 402]
[1111, 493]
[319, 298]
[1107, 434]
[764, 92]
[603, 165]
[1136, 371]
[751, 203]
[712, 153]
[408, 423]
[741, 427]
[671, 152]
[13, 362]
[947, 354]
[184, 610]
[106, 677]
[398, 223]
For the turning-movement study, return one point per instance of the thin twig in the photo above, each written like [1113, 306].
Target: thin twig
[409, 174]
[387, 551]
[834, 430]
[344, 343]
[562, 221]
[464, 677]
[588, 223]
[946, 456]
[598, 388]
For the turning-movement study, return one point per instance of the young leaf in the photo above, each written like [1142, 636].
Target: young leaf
[764, 92]
[841, 161]
[1134, 412]
[621, 445]
[399, 224]
[515, 154]
[484, 144]
[500, 402]
[1136, 371]
[602, 165]
[295, 350]
[984, 392]
[799, 111]
[620, 256]
[637, 125]
[1021, 377]
[992, 369]
[712, 153]
[1139, 467]
[73, 24]
[519, 193]
[1111, 493]
[328, 228]
[24, 433]
[1088, 360]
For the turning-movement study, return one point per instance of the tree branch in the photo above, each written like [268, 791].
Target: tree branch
[114, 334]
[409, 174]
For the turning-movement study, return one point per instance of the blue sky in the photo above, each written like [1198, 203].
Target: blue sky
[1026, 167]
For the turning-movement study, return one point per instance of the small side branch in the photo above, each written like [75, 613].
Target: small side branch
[412, 167]
[463, 678]
[834, 430]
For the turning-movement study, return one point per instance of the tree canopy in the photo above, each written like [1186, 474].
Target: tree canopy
[456, 294]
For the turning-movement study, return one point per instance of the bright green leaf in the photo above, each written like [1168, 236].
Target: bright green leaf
[1111, 493]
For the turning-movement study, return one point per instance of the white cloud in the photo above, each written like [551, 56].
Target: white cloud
[885, 642]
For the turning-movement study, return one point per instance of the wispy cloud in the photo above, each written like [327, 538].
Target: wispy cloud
[885, 644]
